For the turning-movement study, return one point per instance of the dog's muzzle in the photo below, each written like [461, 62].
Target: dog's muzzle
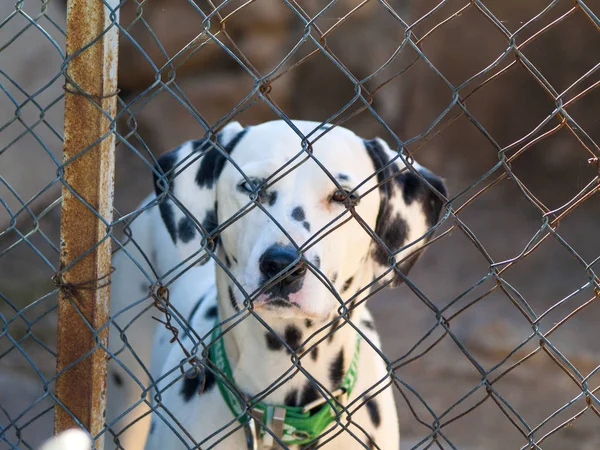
[282, 262]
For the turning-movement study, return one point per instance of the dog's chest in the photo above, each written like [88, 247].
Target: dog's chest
[268, 365]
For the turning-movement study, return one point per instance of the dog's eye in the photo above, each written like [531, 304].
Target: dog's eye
[340, 196]
[248, 186]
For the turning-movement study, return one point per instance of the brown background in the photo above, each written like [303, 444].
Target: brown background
[509, 107]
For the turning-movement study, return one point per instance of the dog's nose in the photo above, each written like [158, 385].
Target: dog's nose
[278, 258]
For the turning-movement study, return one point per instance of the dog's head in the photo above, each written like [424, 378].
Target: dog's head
[292, 226]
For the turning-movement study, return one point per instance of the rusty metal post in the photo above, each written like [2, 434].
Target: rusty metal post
[89, 145]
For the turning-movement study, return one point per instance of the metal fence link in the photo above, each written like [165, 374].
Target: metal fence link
[489, 343]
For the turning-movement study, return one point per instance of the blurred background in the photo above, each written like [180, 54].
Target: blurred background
[464, 99]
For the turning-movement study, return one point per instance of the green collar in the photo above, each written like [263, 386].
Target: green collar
[292, 425]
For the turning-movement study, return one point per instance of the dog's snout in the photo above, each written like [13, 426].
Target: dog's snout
[278, 258]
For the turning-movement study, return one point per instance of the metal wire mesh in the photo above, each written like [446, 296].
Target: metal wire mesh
[485, 344]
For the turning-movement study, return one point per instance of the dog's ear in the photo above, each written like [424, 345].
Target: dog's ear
[185, 180]
[408, 210]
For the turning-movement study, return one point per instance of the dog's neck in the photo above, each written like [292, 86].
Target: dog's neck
[258, 358]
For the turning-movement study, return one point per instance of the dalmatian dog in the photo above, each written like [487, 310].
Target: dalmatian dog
[281, 313]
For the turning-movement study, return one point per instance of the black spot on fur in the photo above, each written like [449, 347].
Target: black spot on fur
[144, 288]
[280, 303]
[192, 385]
[368, 325]
[394, 233]
[118, 379]
[352, 309]
[347, 284]
[391, 228]
[317, 262]
[415, 189]
[308, 322]
[232, 299]
[306, 225]
[211, 313]
[165, 164]
[193, 312]
[213, 161]
[186, 230]
[333, 329]
[210, 380]
[433, 207]
[342, 177]
[298, 214]
[373, 409]
[227, 260]
[271, 197]
[309, 394]
[291, 398]
[234, 259]
[314, 353]
[273, 342]
[333, 278]
[336, 370]
[292, 336]
[210, 221]
[200, 145]
[380, 161]
[152, 427]
[412, 186]
[233, 142]
[387, 227]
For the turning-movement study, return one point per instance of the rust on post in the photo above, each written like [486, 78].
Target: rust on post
[85, 259]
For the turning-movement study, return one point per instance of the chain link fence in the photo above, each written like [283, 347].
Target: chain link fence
[488, 343]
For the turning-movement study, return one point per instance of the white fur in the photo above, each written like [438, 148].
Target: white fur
[342, 255]
[74, 439]
[129, 298]
[254, 371]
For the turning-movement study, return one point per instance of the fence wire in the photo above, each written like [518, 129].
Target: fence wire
[442, 354]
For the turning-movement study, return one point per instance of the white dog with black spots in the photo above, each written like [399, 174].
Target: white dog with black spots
[293, 272]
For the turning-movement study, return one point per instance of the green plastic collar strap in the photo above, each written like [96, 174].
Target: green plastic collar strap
[298, 427]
